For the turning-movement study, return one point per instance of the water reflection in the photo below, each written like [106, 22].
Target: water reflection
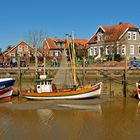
[44, 115]
[71, 120]
[138, 109]
[95, 108]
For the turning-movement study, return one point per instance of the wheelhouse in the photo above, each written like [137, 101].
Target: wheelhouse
[44, 85]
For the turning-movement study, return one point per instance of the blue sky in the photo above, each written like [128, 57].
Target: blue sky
[58, 17]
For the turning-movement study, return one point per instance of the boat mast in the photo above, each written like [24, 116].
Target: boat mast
[73, 60]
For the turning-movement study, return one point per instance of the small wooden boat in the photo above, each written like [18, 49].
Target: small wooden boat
[6, 88]
[45, 90]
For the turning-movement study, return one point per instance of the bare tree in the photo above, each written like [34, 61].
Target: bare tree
[36, 38]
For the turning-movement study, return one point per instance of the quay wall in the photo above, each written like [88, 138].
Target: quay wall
[111, 77]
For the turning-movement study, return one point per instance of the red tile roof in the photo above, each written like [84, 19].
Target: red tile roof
[50, 42]
[113, 32]
[59, 40]
[80, 41]
[22, 43]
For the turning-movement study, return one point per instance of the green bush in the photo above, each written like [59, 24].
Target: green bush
[118, 57]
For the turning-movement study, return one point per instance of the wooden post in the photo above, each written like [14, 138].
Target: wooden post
[36, 66]
[125, 78]
[44, 65]
[124, 84]
[83, 71]
[110, 83]
[19, 74]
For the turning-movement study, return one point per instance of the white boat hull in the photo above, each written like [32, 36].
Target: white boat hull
[90, 94]
[7, 94]
[6, 87]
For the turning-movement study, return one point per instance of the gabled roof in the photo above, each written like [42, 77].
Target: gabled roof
[113, 33]
[23, 43]
[50, 43]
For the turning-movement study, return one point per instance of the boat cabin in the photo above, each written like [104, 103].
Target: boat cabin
[43, 85]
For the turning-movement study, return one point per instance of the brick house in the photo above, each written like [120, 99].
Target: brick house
[122, 39]
[24, 50]
[53, 47]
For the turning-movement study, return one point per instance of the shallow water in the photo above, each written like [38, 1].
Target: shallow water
[95, 119]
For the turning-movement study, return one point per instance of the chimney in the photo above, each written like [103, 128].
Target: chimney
[120, 23]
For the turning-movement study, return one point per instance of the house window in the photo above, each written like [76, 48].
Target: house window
[139, 49]
[132, 49]
[100, 37]
[129, 35]
[12, 54]
[25, 48]
[107, 50]
[58, 44]
[134, 35]
[123, 50]
[19, 48]
[57, 53]
[95, 51]
[91, 51]
[118, 50]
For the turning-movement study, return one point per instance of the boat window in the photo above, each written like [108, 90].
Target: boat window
[42, 83]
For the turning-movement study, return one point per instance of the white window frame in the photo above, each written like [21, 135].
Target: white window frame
[100, 37]
[107, 50]
[129, 35]
[132, 50]
[19, 48]
[123, 48]
[134, 35]
[138, 49]
[95, 51]
[91, 51]
[118, 50]
[56, 53]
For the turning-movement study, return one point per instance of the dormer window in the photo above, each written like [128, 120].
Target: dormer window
[129, 35]
[134, 35]
[100, 37]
